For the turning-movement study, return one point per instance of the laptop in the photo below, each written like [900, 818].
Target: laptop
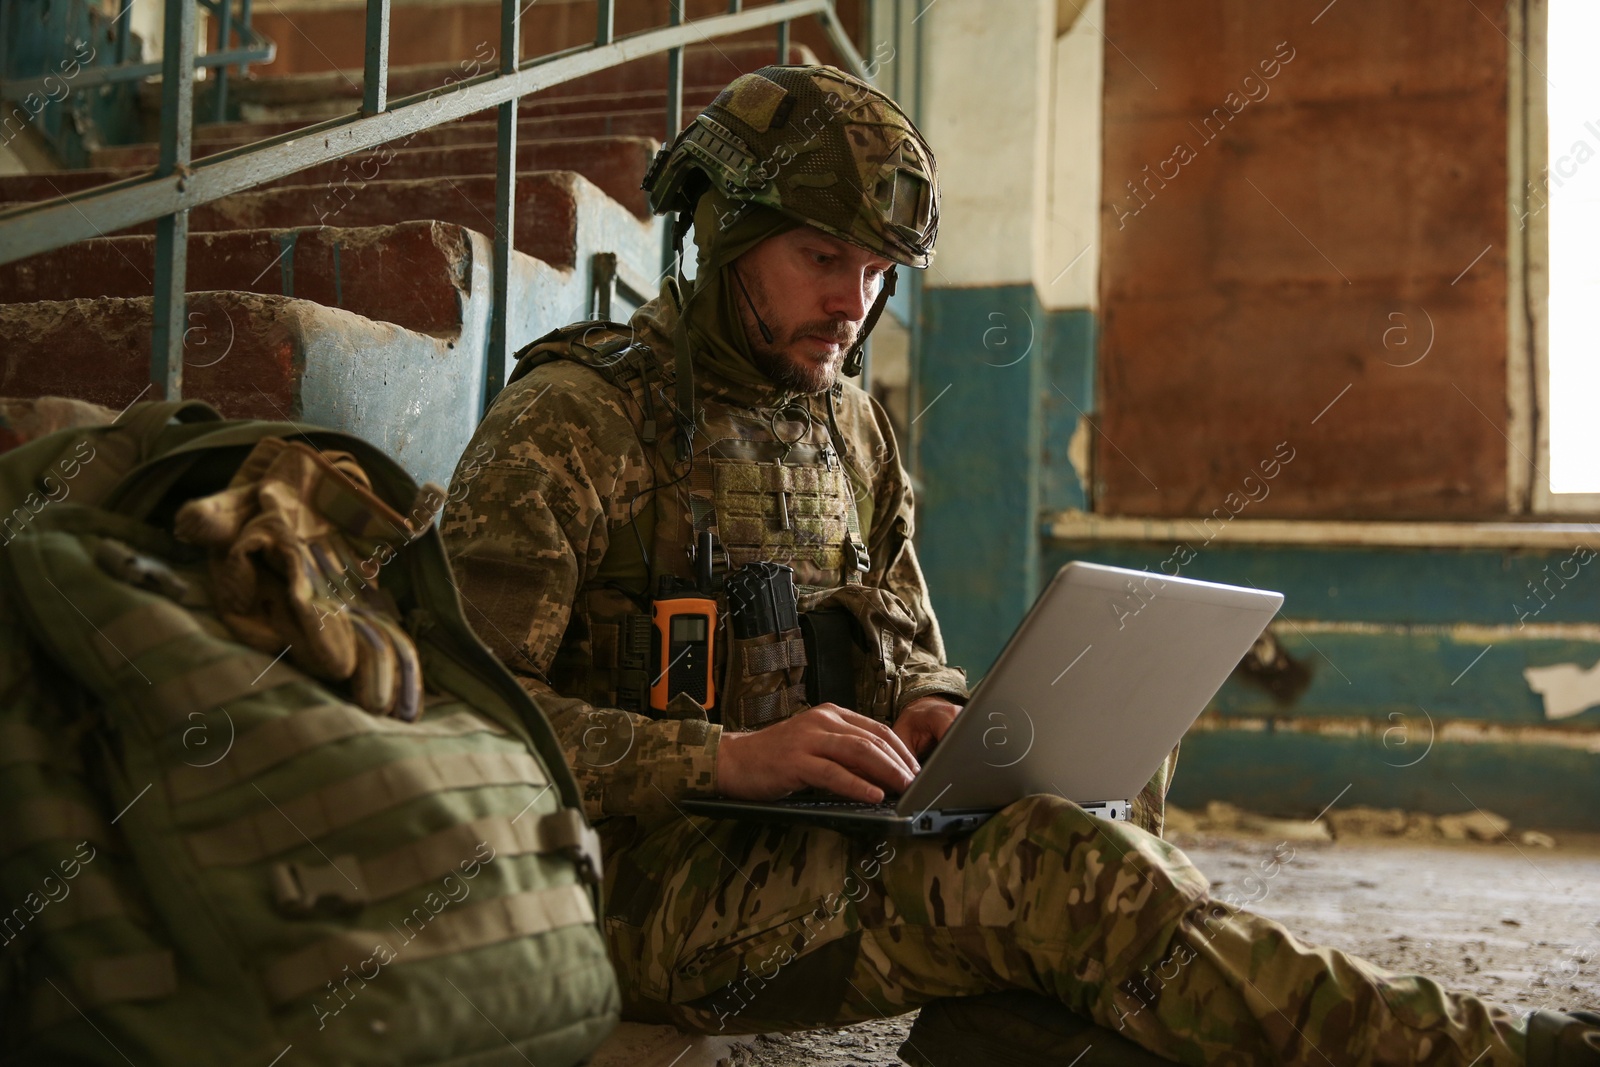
[1102, 678]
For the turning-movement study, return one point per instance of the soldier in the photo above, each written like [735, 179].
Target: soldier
[622, 463]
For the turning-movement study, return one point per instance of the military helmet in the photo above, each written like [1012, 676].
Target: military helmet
[818, 145]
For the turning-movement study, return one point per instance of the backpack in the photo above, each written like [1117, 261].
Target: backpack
[208, 856]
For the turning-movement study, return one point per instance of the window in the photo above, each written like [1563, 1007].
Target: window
[1554, 368]
[1566, 192]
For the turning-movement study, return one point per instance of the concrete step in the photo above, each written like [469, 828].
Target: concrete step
[328, 93]
[414, 274]
[416, 393]
[548, 209]
[294, 115]
[602, 119]
[616, 164]
[266, 357]
[241, 356]
[314, 35]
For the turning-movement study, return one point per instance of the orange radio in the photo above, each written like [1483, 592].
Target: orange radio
[684, 627]
[684, 651]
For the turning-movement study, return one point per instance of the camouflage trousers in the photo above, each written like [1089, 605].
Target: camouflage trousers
[731, 927]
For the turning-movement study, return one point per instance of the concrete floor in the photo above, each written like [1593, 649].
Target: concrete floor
[1513, 923]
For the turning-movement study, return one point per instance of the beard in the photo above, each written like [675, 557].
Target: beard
[788, 369]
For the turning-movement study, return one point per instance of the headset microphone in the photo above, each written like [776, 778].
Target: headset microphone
[766, 334]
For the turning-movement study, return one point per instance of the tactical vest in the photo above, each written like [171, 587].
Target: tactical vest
[766, 485]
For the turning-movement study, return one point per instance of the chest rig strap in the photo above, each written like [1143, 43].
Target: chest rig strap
[856, 557]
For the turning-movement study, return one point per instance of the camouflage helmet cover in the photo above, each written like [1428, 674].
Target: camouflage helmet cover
[818, 145]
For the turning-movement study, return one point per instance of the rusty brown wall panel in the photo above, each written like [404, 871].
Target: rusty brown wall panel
[1305, 241]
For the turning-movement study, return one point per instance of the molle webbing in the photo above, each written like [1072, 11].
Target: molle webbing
[289, 823]
[779, 656]
[140, 976]
[92, 896]
[433, 857]
[617, 672]
[280, 740]
[176, 664]
[765, 511]
[241, 673]
[52, 818]
[457, 927]
[109, 980]
[800, 454]
[126, 638]
[760, 710]
[765, 679]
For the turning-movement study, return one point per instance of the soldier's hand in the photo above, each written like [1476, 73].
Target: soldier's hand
[823, 747]
[924, 721]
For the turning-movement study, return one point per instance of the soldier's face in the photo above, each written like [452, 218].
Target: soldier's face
[813, 292]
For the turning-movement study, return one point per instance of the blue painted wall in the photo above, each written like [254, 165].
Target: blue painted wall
[58, 39]
[1408, 651]
[1416, 696]
[992, 377]
[1299, 775]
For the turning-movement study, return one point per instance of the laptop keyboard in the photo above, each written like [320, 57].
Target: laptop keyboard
[838, 805]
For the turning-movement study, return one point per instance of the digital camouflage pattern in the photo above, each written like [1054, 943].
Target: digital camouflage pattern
[764, 927]
[555, 496]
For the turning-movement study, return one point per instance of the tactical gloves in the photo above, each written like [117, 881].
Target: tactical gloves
[297, 541]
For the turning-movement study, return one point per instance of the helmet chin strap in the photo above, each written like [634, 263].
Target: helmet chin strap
[853, 359]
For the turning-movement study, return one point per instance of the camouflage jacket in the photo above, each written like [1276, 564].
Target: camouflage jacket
[573, 472]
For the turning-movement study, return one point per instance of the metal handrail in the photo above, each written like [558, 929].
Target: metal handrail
[178, 185]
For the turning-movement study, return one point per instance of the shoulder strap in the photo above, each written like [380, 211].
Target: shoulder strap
[84, 463]
[594, 343]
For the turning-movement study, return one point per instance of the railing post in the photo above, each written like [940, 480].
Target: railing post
[375, 86]
[783, 40]
[674, 120]
[219, 111]
[244, 32]
[505, 207]
[606, 31]
[172, 231]
[849, 58]
[124, 13]
[674, 75]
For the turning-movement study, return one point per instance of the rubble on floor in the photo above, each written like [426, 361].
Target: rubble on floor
[1340, 824]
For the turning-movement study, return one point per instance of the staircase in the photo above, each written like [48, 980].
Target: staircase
[358, 294]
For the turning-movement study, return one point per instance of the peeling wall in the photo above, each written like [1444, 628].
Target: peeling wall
[1295, 209]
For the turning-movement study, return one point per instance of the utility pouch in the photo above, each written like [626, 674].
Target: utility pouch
[764, 673]
[861, 630]
[834, 642]
[635, 647]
